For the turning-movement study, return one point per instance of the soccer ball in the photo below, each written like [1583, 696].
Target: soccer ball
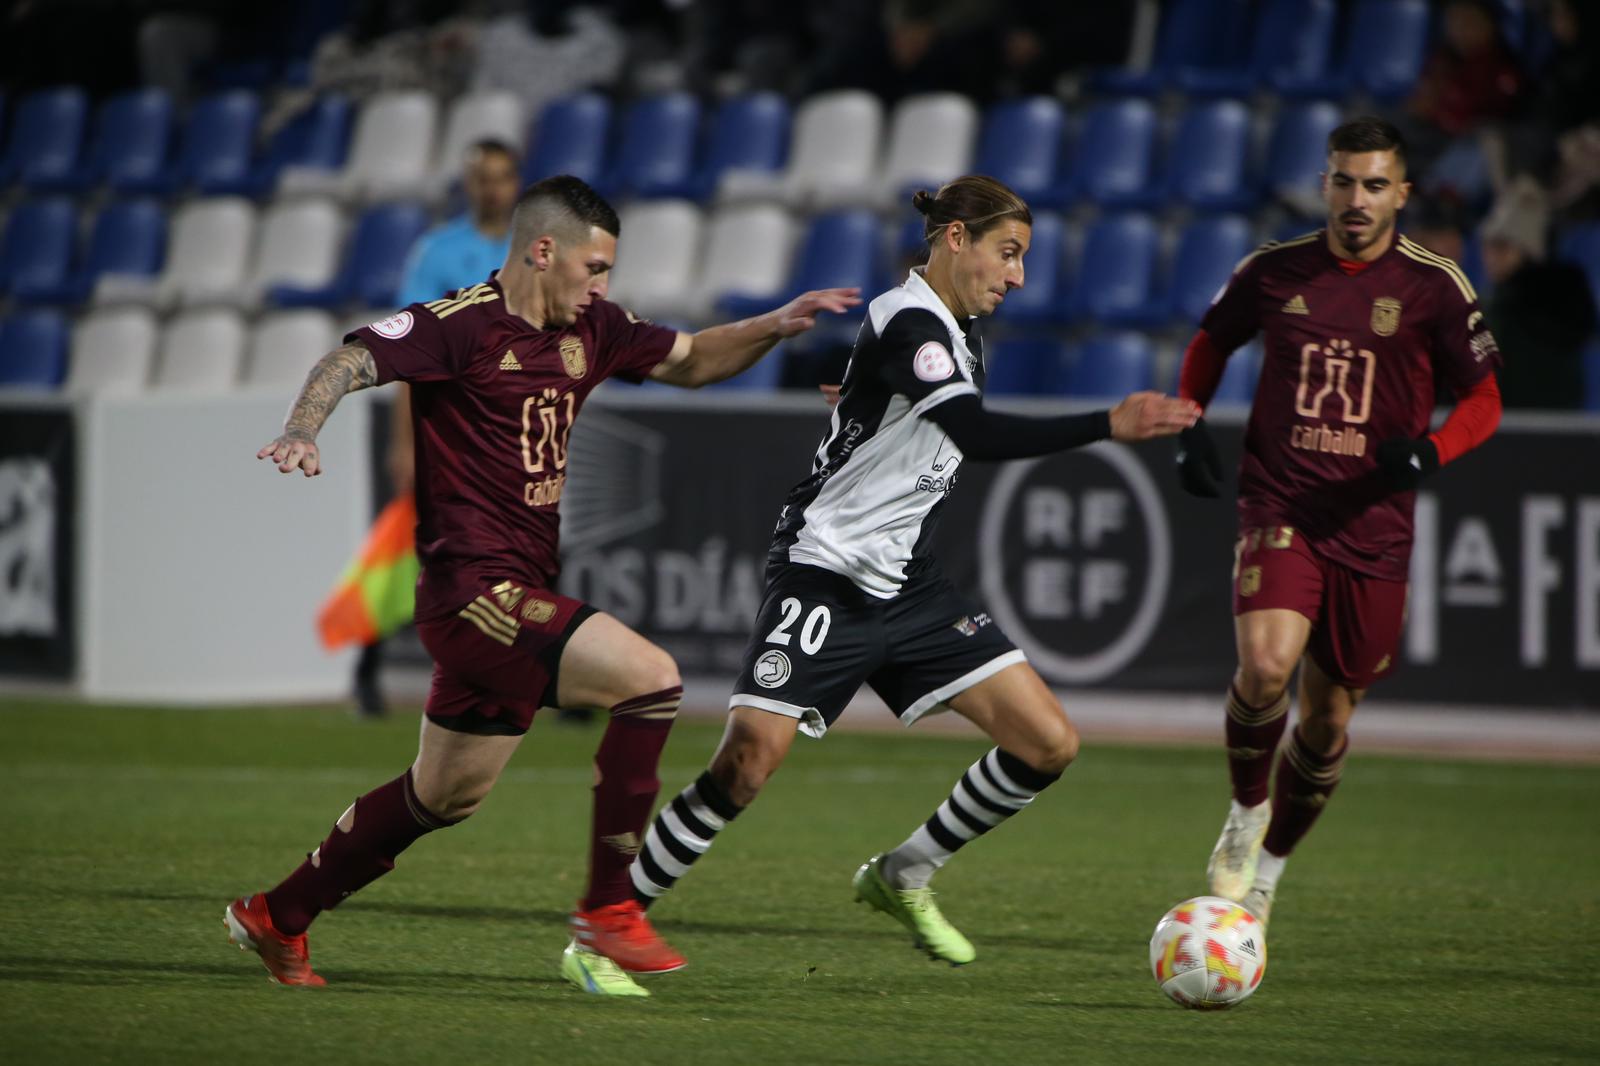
[1208, 953]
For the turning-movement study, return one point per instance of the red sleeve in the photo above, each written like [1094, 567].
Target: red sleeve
[1473, 421]
[416, 344]
[633, 346]
[1202, 367]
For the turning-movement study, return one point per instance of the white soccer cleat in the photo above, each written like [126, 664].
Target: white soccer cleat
[1258, 901]
[1232, 868]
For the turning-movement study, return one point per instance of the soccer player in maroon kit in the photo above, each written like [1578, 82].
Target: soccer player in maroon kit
[1359, 323]
[499, 371]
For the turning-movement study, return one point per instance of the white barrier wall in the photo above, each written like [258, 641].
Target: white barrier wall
[201, 567]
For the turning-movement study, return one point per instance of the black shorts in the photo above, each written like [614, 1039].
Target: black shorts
[818, 638]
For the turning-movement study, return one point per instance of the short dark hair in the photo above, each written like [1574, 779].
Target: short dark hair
[494, 145]
[564, 206]
[976, 201]
[1368, 133]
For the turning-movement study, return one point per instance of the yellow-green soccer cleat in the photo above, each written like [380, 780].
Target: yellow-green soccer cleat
[1258, 901]
[913, 908]
[597, 974]
[1233, 861]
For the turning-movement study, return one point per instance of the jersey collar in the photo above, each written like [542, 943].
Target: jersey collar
[918, 286]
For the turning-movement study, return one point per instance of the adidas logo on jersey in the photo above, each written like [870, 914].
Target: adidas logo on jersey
[1296, 306]
[509, 361]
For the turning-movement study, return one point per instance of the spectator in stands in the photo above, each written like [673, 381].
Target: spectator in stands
[903, 47]
[1540, 311]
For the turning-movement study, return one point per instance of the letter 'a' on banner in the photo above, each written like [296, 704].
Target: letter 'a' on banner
[376, 594]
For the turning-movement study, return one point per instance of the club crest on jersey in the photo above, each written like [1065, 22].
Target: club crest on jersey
[932, 362]
[1249, 581]
[1385, 316]
[772, 669]
[573, 357]
[538, 611]
[394, 327]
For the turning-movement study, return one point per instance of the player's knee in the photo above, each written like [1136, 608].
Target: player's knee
[1056, 750]
[1323, 733]
[451, 801]
[1264, 674]
[655, 671]
[743, 765]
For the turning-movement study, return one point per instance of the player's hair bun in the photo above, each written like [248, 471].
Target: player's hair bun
[923, 201]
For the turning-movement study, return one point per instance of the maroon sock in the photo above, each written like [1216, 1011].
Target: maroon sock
[625, 790]
[384, 823]
[1305, 781]
[1253, 734]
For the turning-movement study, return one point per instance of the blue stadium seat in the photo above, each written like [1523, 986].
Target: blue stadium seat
[46, 137]
[36, 251]
[128, 149]
[1208, 250]
[1021, 145]
[1194, 35]
[747, 133]
[841, 249]
[1045, 290]
[1238, 385]
[129, 238]
[374, 261]
[1026, 365]
[317, 137]
[33, 350]
[1591, 377]
[218, 144]
[1386, 45]
[570, 138]
[1292, 46]
[1210, 158]
[1581, 244]
[656, 155]
[1114, 156]
[1298, 150]
[1111, 365]
[1117, 272]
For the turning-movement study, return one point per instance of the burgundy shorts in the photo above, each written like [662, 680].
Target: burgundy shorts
[1355, 619]
[496, 661]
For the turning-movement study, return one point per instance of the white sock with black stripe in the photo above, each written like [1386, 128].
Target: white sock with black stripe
[992, 790]
[683, 831]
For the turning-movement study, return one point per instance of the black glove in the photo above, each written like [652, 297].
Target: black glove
[1199, 465]
[1405, 462]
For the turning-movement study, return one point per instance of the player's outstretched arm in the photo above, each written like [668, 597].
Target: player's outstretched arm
[1147, 415]
[985, 435]
[341, 371]
[720, 352]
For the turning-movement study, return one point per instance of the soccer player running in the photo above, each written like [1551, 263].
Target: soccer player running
[853, 595]
[499, 372]
[1359, 324]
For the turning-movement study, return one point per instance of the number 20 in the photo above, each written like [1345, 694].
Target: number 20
[812, 634]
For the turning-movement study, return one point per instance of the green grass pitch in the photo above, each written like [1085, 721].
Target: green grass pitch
[1441, 912]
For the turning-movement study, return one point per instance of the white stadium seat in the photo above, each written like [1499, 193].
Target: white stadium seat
[286, 345]
[747, 250]
[299, 244]
[658, 260]
[488, 115]
[931, 139]
[209, 251]
[835, 149]
[391, 153]
[112, 352]
[201, 351]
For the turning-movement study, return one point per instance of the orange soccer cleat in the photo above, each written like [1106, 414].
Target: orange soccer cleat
[287, 958]
[624, 935]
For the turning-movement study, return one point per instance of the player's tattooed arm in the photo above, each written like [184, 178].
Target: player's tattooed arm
[341, 371]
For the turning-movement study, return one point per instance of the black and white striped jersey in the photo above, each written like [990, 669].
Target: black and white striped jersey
[869, 508]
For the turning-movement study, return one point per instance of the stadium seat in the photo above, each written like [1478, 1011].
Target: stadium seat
[1298, 152]
[113, 350]
[1238, 385]
[1021, 145]
[1045, 290]
[749, 135]
[570, 138]
[374, 261]
[656, 266]
[391, 153]
[1114, 155]
[1210, 158]
[841, 249]
[834, 152]
[129, 147]
[1591, 377]
[930, 141]
[218, 145]
[1117, 271]
[1386, 46]
[491, 115]
[1208, 250]
[1025, 365]
[46, 137]
[1194, 36]
[201, 351]
[286, 345]
[1110, 365]
[314, 141]
[208, 250]
[298, 245]
[37, 249]
[1581, 244]
[656, 156]
[1292, 45]
[33, 349]
[747, 251]
[126, 248]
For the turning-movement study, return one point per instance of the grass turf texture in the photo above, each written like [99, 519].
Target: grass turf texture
[1440, 912]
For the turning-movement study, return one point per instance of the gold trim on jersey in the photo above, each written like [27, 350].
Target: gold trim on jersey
[1413, 250]
[1273, 246]
[494, 622]
[481, 293]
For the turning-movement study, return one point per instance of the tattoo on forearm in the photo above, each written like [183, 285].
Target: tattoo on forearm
[341, 371]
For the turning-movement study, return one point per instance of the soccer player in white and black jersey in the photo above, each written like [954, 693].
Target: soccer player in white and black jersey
[853, 595]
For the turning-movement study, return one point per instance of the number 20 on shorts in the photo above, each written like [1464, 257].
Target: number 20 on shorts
[812, 634]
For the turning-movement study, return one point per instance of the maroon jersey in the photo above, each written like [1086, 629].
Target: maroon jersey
[1349, 361]
[493, 400]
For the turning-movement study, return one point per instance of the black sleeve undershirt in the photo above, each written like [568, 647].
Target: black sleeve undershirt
[990, 435]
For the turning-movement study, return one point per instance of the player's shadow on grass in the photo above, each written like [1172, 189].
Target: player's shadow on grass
[54, 970]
